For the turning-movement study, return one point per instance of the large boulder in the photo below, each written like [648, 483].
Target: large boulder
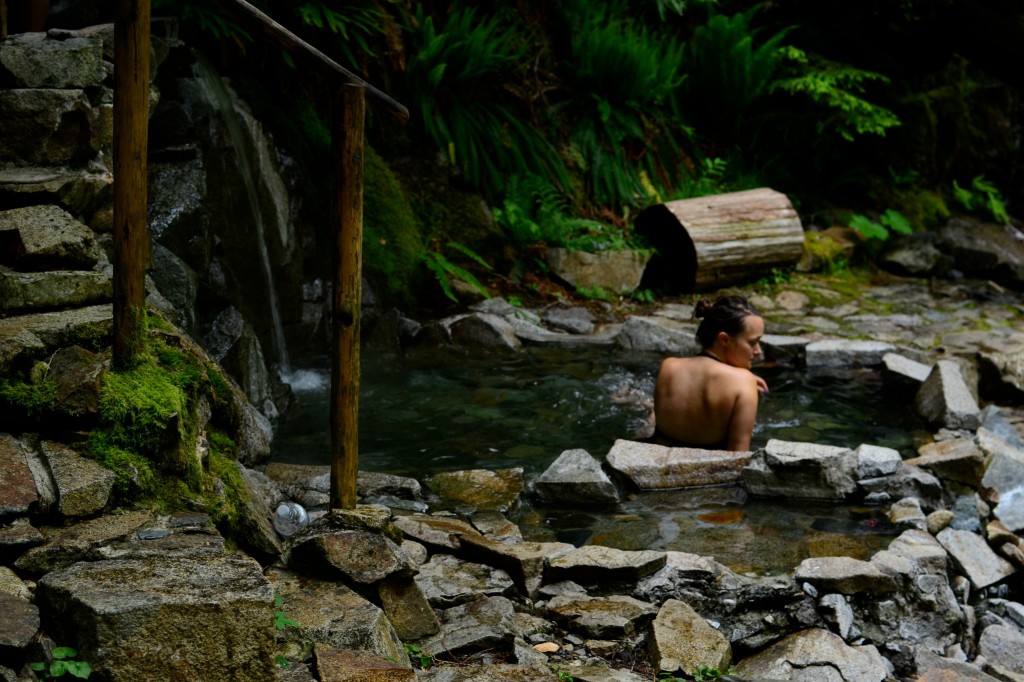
[122, 613]
[813, 655]
[802, 470]
[651, 466]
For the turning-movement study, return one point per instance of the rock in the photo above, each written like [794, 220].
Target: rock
[436, 532]
[29, 291]
[17, 486]
[792, 300]
[11, 585]
[965, 514]
[934, 668]
[254, 523]
[986, 250]
[938, 519]
[48, 127]
[407, 608]
[906, 513]
[524, 561]
[575, 320]
[79, 542]
[904, 369]
[18, 537]
[681, 640]
[371, 484]
[18, 626]
[494, 525]
[844, 575]
[956, 459]
[79, 191]
[45, 237]
[112, 609]
[576, 477]
[614, 271]
[945, 399]
[801, 470]
[77, 372]
[598, 671]
[83, 486]
[614, 617]
[1003, 645]
[915, 256]
[652, 467]
[329, 613]
[487, 623]
[35, 60]
[488, 672]
[980, 564]
[1005, 475]
[484, 332]
[811, 655]
[448, 581]
[836, 611]
[338, 665]
[874, 461]
[845, 353]
[35, 335]
[785, 350]
[907, 481]
[658, 335]
[360, 557]
[479, 488]
[603, 567]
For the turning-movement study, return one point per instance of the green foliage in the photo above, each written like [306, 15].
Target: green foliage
[709, 672]
[354, 22]
[424, 659]
[728, 68]
[33, 398]
[623, 78]
[839, 89]
[643, 296]
[706, 180]
[597, 293]
[890, 221]
[564, 676]
[454, 78]
[205, 17]
[445, 270]
[63, 663]
[281, 620]
[134, 475]
[392, 242]
[982, 197]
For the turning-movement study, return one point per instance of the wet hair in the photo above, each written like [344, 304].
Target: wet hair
[725, 314]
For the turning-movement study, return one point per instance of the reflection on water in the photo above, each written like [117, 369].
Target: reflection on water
[424, 413]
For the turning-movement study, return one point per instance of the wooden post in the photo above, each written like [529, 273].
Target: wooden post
[3, 19]
[347, 153]
[131, 123]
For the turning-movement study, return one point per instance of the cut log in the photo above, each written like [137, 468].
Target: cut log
[711, 242]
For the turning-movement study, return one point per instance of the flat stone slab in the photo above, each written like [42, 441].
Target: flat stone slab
[29, 291]
[345, 665]
[576, 477]
[844, 575]
[657, 467]
[982, 565]
[17, 486]
[83, 486]
[39, 237]
[843, 353]
[905, 368]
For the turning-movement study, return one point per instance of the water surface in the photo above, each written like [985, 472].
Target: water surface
[430, 412]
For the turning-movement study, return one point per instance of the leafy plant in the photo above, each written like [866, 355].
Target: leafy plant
[564, 676]
[207, 18]
[424, 659]
[623, 77]
[597, 293]
[63, 663]
[454, 81]
[281, 620]
[709, 672]
[444, 270]
[353, 21]
[982, 197]
[728, 68]
[840, 89]
[890, 221]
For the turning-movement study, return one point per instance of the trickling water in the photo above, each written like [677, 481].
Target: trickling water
[218, 95]
[425, 413]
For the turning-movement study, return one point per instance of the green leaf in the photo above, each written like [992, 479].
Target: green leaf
[867, 228]
[79, 669]
[37, 666]
[64, 652]
[896, 222]
[471, 253]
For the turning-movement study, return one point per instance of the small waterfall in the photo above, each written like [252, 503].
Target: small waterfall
[220, 98]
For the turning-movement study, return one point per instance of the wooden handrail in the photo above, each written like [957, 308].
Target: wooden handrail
[253, 19]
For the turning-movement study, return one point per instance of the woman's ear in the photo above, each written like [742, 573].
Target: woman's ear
[722, 338]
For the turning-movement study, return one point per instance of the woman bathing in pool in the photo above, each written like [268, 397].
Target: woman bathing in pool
[710, 401]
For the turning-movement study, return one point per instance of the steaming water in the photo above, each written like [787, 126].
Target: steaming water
[426, 413]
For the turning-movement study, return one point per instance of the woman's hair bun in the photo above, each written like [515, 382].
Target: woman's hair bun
[702, 307]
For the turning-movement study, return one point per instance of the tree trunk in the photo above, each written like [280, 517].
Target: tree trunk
[347, 150]
[131, 125]
[711, 242]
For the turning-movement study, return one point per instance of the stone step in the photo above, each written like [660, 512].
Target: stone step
[37, 291]
[46, 237]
